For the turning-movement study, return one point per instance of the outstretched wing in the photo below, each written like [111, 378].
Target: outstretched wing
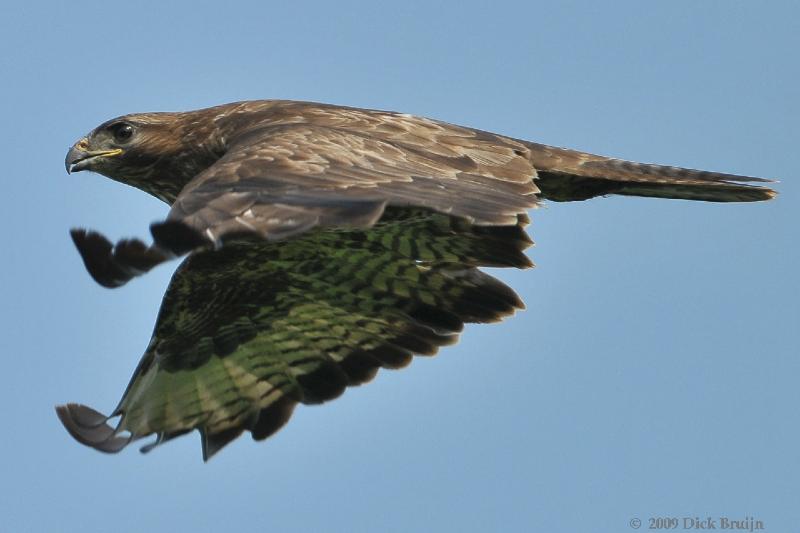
[247, 332]
[569, 175]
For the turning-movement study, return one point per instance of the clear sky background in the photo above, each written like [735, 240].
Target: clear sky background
[654, 373]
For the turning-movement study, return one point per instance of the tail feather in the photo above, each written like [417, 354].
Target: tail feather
[568, 175]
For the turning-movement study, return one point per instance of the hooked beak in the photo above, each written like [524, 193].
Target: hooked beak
[80, 157]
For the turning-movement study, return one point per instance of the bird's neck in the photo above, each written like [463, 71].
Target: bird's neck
[200, 147]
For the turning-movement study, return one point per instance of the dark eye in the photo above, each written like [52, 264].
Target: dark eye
[122, 132]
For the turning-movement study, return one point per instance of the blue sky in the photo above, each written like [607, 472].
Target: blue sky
[654, 372]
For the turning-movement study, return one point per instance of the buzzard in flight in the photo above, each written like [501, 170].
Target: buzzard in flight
[323, 243]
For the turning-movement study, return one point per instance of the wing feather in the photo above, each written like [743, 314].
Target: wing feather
[279, 181]
[247, 332]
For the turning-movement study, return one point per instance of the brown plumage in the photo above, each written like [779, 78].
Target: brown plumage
[278, 168]
[358, 232]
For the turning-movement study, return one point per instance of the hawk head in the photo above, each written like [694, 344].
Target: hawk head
[154, 152]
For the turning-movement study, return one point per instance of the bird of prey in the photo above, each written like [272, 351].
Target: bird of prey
[323, 243]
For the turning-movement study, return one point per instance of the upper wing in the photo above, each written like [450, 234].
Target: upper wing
[248, 331]
[278, 181]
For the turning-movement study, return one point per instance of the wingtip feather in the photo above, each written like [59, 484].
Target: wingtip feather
[113, 265]
[90, 428]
